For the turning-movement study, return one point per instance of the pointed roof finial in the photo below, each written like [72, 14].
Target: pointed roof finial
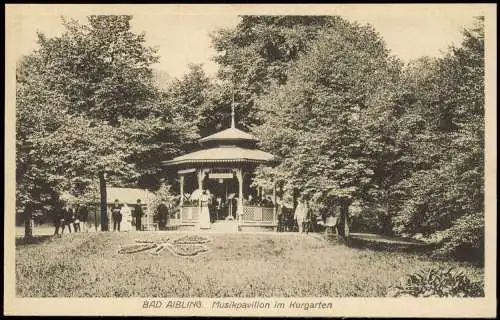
[232, 114]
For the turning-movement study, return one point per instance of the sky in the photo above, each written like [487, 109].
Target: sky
[182, 34]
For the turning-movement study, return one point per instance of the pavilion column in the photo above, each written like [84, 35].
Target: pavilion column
[181, 202]
[239, 176]
[274, 193]
[182, 189]
[274, 202]
[200, 185]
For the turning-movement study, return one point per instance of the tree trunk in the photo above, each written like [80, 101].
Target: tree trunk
[104, 204]
[343, 224]
[28, 222]
[295, 198]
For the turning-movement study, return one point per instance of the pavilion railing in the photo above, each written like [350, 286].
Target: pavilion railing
[190, 214]
[258, 216]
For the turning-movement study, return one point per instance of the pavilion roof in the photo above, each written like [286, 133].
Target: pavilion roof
[223, 154]
[230, 134]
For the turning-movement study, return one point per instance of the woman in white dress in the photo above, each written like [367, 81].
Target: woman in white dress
[205, 214]
[301, 214]
[126, 224]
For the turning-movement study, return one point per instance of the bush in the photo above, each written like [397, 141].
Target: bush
[437, 282]
[371, 219]
[464, 240]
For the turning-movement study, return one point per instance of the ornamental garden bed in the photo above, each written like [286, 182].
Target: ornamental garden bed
[191, 239]
[135, 248]
[190, 249]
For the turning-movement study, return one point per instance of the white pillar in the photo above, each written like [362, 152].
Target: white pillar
[274, 193]
[274, 202]
[239, 175]
[200, 184]
[182, 189]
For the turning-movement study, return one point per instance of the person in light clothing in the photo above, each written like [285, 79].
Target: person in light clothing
[204, 222]
[126, 223]
[301, 213]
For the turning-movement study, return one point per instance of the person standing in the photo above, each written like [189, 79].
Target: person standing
[301, 214]
[212, 207]
[58, 216]
[126, 214]
[138, 213]
[75, 218]
[280, 215]
[116, 215]
[162, 216]
[68, 219]
[204, 222]
[83, 216]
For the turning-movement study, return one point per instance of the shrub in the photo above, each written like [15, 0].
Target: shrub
[465, 239]
[134, 248]
[437, 282]
[371, 219]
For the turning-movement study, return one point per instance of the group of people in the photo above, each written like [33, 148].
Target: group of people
[304, 219]
[75, 218]
[264, 202]
[71, 216]
[122, 216]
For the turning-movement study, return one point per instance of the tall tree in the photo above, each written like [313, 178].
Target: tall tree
[86, 83]
[316, 121]
[252, 56]
[442, 194]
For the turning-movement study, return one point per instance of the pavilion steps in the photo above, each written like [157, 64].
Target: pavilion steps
[224, 226]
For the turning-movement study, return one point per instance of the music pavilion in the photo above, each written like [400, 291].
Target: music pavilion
[225, 168]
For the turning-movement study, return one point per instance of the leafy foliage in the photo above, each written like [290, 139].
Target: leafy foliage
[442, 190]
[87, 104]
[437, 282]
[255, 54]
[164, 195]
[314, 121]
[464, 239]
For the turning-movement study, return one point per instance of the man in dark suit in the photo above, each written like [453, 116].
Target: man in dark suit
[116, 215]
[83, 216]
[138, 213]
[68, 218]
[58, 216]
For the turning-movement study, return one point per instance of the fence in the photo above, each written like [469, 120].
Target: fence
[258, 216]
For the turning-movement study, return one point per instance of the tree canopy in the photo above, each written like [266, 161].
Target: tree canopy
[349, 121]
[87, 104]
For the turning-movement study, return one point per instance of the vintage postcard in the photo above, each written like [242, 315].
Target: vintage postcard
[250, 160]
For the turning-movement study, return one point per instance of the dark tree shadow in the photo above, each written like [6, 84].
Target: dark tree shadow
[403, 245]
[21, 241]
[388, 246]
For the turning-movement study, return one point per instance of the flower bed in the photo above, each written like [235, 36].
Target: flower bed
[192, 239]
[144, 241]
[184, 246]
[187, 249]
[134, 248]
[156, 251]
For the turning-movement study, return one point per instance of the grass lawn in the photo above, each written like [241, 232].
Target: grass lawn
[236, 265]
